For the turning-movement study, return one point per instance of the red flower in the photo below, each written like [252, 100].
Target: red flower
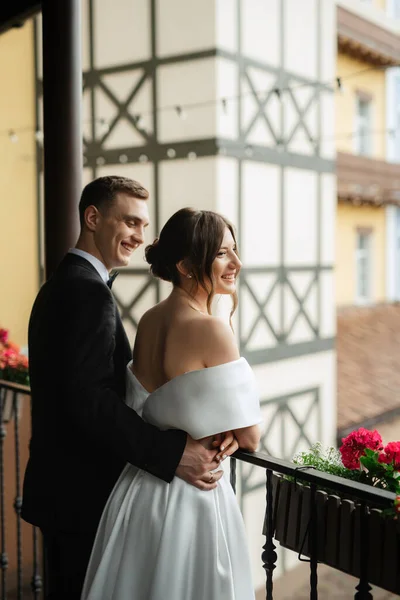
[354, 446]
[391, 455]
[3, 336]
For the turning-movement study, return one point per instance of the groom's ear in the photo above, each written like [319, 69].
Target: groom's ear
[91, 217]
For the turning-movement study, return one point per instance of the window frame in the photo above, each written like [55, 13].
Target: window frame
[367, 99]
[366, 253]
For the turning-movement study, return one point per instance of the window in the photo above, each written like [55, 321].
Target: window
[394, 9]
[363, 266]
[397, 255]
[363, 134]
[397, 117]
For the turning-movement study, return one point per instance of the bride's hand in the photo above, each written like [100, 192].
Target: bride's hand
[227, 444]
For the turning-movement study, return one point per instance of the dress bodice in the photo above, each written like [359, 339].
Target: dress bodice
[202, 402]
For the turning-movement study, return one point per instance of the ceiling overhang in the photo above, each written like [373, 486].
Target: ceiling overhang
[362, 180]
[14, 12]
[365, 40]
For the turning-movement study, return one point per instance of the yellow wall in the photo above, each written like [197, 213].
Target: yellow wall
[348, 219]
[18, 212]
[380, 4]
[372, 82]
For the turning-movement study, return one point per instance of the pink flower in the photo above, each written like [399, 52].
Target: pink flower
[3, 336]
[354, 446]
[391, 455]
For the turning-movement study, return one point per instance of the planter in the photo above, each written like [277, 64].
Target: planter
[338, 532]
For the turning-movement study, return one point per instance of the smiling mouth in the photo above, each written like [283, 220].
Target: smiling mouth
[128, 247]
[231, 277]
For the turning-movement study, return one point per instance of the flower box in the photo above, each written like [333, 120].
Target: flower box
[338, 532]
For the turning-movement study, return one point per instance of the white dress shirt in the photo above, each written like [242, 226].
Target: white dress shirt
[95, 262]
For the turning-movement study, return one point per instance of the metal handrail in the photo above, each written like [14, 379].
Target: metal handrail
[361, 491]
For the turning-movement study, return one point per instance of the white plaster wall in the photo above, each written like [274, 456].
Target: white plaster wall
[185, 26]
[328, 218]
[300, 27]
[191, 83]
[301, 211]
[260, 27]
[121, 32]
[261, 214]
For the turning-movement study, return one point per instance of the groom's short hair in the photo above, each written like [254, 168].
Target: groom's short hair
[102, 192]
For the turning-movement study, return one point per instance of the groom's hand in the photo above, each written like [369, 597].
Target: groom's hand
[198, 464]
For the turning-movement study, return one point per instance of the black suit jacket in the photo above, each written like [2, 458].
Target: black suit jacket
[82, 432]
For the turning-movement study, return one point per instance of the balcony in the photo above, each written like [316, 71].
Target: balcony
[305, 512]
[364, 180]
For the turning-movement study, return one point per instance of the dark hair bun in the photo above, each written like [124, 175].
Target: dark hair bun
[157, 261]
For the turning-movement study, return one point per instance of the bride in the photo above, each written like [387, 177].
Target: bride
[156, 540]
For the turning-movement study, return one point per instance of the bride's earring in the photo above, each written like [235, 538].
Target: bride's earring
[189, 276]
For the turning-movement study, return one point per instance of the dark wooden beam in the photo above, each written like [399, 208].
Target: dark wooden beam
[14, 12]
[62, 94]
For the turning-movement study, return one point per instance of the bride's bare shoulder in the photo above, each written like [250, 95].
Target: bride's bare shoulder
[217, 341]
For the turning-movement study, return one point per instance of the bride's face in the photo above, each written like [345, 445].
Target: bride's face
[226, 266]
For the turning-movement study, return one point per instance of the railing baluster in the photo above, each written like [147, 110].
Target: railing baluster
[233, 473]
[269, 556]
[4, 557]
[363, 588]
[18, 498]
[36, 581]
[313, 544]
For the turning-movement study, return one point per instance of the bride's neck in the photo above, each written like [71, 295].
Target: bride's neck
[196, 300]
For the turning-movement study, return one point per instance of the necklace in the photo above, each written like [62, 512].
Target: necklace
[198, 310]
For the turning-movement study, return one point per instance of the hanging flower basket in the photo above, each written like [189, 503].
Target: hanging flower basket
[362, 458]
[338, 533]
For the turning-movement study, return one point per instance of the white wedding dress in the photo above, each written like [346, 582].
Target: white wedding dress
[160, 541]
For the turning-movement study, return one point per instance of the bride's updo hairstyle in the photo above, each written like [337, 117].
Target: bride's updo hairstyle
[195, 237]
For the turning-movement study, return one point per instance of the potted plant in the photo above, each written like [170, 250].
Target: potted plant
[13, 369]
[362, 457]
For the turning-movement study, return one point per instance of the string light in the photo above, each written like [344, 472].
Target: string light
[180, 112]
[138, 119]
[13, 136]
[39, 136]
[181, 109]
[104, 126]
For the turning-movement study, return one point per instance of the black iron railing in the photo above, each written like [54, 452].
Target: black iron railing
[365, 496]
[15, 421]
[21, 558]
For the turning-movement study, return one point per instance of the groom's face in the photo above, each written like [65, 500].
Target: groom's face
[121, 229]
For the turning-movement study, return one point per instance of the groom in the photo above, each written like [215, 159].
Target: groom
[83, 434]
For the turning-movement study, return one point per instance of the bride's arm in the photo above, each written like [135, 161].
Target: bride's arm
[248, 438]
[219, 347]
